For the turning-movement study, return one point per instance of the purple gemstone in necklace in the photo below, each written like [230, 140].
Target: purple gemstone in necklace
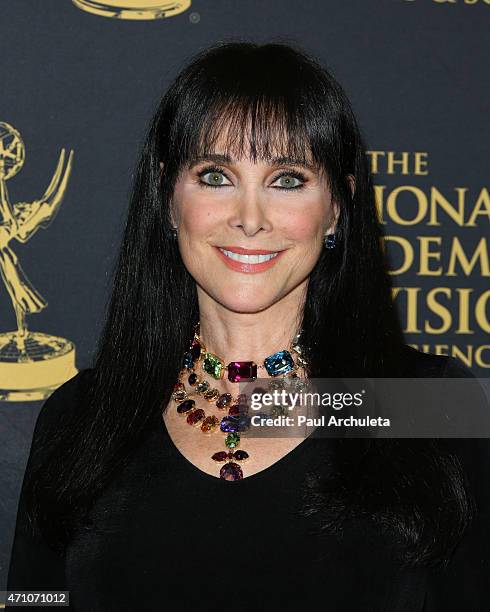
[231, 471]
[242, 371]
[184, 407]
[230, 424]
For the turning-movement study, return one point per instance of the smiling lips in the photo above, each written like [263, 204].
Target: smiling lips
[248, 260]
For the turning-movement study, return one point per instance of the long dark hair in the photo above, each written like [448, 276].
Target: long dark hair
[291, 106]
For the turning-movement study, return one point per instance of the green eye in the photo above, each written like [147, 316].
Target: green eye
[212, 176]
[215, 178]
[288, 181]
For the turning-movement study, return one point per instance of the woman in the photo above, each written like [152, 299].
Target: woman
[253, 151]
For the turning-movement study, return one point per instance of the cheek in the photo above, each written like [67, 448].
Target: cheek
[199, 219]
[301, 226]
[305, 221]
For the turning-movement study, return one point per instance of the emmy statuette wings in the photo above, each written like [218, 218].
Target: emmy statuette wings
[32, 364]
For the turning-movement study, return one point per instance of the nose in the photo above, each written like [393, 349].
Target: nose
[250, 213]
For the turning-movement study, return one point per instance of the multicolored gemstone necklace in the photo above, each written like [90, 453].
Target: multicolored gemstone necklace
[278, 365]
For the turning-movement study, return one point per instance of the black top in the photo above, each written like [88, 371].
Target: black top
[167, 536]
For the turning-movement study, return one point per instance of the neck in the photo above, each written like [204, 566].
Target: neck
[243, 336]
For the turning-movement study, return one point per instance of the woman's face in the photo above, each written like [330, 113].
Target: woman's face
[279, 209]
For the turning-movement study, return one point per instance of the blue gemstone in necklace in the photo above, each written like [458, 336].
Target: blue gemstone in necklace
[279, 363]
[188, 361]
[230, 424]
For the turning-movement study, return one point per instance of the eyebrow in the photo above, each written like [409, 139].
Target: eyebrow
[218, 158]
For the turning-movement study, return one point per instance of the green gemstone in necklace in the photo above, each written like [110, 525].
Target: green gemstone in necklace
[213, 365]
[232, 440]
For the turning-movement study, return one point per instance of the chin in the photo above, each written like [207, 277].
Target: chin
[245, 303]
[245, 309]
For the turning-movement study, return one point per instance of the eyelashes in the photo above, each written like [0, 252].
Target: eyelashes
[290, 173]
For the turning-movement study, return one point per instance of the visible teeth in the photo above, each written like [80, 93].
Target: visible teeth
[250, 259]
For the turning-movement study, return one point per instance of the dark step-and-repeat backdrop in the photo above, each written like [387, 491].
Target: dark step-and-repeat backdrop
[80, 80]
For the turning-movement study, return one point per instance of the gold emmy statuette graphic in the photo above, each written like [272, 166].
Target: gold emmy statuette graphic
[134, 9]
[32, 364]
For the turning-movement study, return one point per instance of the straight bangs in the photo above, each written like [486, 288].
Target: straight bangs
[260, 116]
[259, 130]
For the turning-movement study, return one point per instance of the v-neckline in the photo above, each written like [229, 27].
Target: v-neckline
[256, 477]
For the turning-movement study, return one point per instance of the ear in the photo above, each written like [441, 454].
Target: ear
[161, 168]
[172, 215]
[352, 182]
[335, 215]
[336, 209]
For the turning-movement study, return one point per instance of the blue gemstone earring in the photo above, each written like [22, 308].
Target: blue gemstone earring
[330, 241]
[174, 233]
